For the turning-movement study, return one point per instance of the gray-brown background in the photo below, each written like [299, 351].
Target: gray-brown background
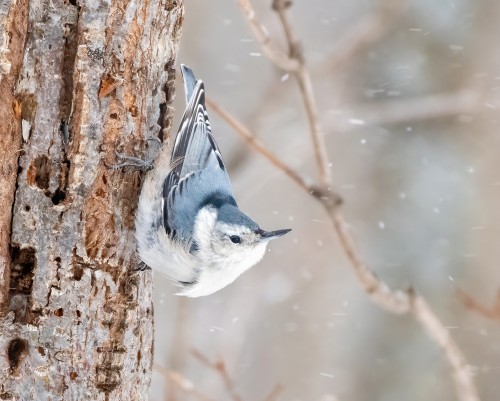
[421, 196]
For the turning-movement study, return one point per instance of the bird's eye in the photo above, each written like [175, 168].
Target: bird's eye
[235, 239]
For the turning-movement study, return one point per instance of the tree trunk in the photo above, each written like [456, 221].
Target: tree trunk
[77, 78]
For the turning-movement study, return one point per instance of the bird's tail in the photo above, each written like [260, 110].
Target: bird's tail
[189, 82]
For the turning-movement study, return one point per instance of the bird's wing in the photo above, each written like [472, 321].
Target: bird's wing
[189, 195]
[194, 144]
[198, 171]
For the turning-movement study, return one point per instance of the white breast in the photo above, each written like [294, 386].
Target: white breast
[216, 276]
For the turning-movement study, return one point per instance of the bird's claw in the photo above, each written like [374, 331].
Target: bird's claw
[132, 162]
[141, 266]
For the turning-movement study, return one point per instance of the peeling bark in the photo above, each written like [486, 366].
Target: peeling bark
[77, 79]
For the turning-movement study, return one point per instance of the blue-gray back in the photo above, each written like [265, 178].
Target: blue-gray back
[198, 173]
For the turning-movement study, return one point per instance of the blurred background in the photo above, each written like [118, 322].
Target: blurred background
[411, 123]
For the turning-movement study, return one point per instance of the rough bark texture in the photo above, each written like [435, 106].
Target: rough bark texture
[77, 78]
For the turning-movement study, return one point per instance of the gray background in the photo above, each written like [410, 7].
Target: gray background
[421, 197]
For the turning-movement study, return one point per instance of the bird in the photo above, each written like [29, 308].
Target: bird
[188, 225]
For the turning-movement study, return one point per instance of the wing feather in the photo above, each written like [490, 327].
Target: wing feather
[198, 171]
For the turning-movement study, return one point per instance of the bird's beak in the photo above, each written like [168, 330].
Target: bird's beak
[269, 235]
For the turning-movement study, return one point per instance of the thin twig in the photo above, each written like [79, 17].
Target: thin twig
[492, 312]
[255, 143]
[299, 70]
[393, 301]
[423, 108]
[270, 49]
[317, 136]
[462, 374]
[303, 78]
[182, 383]
[220, 368]
[275, 393]
[279, 6]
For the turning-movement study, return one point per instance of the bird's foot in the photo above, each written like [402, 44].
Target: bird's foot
[131, 162]
[141, 266]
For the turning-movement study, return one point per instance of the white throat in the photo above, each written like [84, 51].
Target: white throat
[216, 271]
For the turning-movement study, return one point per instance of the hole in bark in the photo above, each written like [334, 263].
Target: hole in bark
[59, 312]
[73, 375]
[162, 120]
[67, 70]
[77, 272]
[23, 264]
[41, 351]
[65, 131]
[27, 208]
[58, 196]
[78, 313]
[171, 5]
[114, 116]
[134, 112]
[17, 350]
[39, 172]
[60, 193]
[139, 356]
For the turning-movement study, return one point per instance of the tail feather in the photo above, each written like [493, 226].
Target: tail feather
[189, 82]
[194, 147]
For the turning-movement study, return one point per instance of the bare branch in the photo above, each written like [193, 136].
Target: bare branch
[492, 312]
[303, 78]
[300, 72]
[317, 136]
[255, 143]
[270, 49]
[275, 393]
[220, 369]
[182, 383]
[462, 375]
[280, 6]
[428, 107]
[391, 300]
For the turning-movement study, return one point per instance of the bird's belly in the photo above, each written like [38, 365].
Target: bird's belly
[217, 276]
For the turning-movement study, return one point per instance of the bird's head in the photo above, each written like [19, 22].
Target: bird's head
[229, 235]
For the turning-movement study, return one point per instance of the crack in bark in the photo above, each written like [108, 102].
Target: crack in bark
[10, 135]
[166, 109]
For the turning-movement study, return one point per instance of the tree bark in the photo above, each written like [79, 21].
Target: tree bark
[77, 79]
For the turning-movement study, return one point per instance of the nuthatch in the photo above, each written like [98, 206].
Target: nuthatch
[188, 225]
